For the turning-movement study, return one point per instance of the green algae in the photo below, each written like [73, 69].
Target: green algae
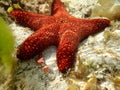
[6, 45]
[7, 60]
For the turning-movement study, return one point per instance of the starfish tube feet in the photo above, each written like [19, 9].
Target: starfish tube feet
[43, 65]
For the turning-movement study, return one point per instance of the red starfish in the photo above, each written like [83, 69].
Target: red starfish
[60, 29]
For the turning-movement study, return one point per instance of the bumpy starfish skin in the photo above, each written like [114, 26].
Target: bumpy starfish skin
[60, 29]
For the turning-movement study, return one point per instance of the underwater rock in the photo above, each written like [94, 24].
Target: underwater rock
[37, 6]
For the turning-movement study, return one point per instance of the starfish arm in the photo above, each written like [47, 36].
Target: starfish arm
[33, 21]
[93, 26]
[58, 8]
[66, 51]
[38, 41]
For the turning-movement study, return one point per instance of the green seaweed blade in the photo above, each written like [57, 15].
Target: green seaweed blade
[6, 47]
